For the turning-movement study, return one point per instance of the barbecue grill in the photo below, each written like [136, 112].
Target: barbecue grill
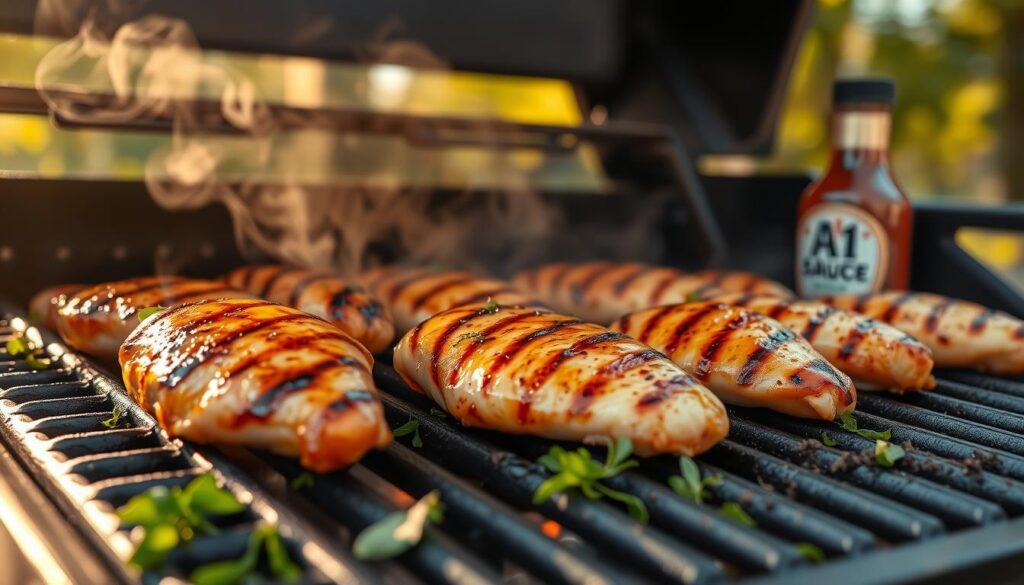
[675, 81]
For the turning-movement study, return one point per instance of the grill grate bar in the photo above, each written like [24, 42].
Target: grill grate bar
[1010, 386]
[515, 479]
[20, 394]
[95, 468]
[1006, 493]
[889, 519]
[948, 425]
[478, 513]
[1000, 400]
[985, 415]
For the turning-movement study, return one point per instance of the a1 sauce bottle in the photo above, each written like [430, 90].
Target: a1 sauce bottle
[854, 223]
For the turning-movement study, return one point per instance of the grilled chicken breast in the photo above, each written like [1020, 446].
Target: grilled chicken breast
[604, 291]
[877, 356]
[528, 371]
[333, 298]
[960, 334]
[744, 357]
[248, 372]
[413, 294]
[43, 306]
[98, 318]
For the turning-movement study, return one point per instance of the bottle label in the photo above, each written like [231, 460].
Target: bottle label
[840, 249]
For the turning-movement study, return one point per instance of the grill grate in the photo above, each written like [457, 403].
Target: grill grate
[958, 489]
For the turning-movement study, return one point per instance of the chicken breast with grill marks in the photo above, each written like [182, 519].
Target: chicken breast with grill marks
[529, 371]
[960, 334]
[248, 372]
[876, 355]
[338, 300]
[744, 357]
[604, 291]
[413, 294]
[98, 318]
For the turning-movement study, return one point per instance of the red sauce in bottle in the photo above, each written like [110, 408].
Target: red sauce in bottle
[854, 223]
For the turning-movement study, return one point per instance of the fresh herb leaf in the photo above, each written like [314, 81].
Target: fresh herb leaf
[18, 347]
[237, 571]
[490, 308]
[849, 423]
[412, 427]
[810, 552]
[399, 531]
[148, 312]
[474, 335]
[736, 512]
[689, 484]
[827, 440]
[173, 516]
[887, 454]
[116, 415]
[38, 360]
[302, 480]
[694, 296]
[578, 469]
[434, 411]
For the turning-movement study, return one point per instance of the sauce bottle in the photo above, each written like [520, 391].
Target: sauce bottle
[854, 223]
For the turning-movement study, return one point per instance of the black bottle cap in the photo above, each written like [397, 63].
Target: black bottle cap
[871, 90]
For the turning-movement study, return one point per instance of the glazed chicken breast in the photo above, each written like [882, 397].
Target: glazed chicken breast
[604, 291]
[960, 334]
[413, 294]
[876, 355]
[98, 318]
[43, 306]
[335, 299]
[529, 371]
[744, 357]
[248, 372]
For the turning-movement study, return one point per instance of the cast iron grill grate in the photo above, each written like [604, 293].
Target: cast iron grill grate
[962, 478]
[53, 420]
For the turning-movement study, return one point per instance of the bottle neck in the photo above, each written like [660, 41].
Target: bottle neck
[860, 136]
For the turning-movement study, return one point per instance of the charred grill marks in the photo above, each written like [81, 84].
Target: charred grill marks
[856, 337]
[652, 322]
[266, 404]
[620, 286]
[579, 290]
[517, 345]
[892, 311]
[665, 389]
[979, 322]
[351, 398]
[446, 283]
[301, 286]
[687, 324]
[765, 347]
[542, 374]
[278, 272]
[931, 324]
[403, 283]
[620, 365]
[719, 339]
[485, 334]
[815, 322]
[160, 283]
[659, 289]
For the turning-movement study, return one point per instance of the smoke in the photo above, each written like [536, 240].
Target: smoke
[120, 67]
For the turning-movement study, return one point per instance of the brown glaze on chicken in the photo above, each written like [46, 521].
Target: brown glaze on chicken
[248, 372]
[338, 300]
[604, 291]
[744, 357]
[413, 294]
[43, 306]
[529, 371]
[98, 318]
[876, 355]
[960, 334]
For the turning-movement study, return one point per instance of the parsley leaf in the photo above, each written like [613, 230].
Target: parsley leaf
[490, 308]
[116, 415]
[690, 484]
[434, 411]
[736, 512]
[18, 347]
[827, 440]
[38, 360]
[237, 571]
[578, 469]
[849, 423]
[148, 312]
[694, 296]
[810, 552]
[412, 427]
[887, 454]
[170, 517]
[474, 335]
[399, 531]
[302, 480]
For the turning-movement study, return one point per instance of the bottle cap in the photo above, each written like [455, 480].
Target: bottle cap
[873, 90]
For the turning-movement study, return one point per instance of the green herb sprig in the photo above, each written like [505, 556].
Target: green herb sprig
[437, 412]
[302, 480]
[827, 440]
[399, 531]
[410, 428]
[689, 483]
[849, 423]
[18, 346]
[887, 454]
[148, 312]
[736, 512]
[171, 517]
[239, 570]
[35, 357]
[810, 552]
[490, 308]
[694, 296]
[476, 336]
[577, 469]
[116, 415]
